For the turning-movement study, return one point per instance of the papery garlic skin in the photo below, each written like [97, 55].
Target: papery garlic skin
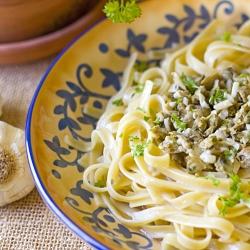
[20, 183]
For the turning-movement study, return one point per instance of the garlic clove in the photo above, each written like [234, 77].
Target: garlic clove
[15, 177]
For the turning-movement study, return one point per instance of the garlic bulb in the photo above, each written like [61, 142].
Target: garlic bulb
[15, 177]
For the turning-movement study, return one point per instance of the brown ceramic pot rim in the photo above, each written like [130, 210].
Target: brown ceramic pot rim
[50, 44]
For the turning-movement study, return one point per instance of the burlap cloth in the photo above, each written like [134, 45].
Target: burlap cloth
[28, 224]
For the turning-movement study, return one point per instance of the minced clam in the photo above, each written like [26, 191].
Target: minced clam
[212, 116]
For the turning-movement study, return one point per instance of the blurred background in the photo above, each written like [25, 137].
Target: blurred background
[35, 29]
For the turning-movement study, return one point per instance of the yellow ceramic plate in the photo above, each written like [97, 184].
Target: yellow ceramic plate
[88, 72]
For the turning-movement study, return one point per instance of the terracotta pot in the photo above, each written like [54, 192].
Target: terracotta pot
[51, 43]
[26, 19]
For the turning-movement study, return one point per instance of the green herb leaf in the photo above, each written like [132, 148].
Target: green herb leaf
[132, 138]
[153, 111]
[242, 75]
[246, 200]
[217, 95]
[118, 102]
[157, 121]
[214, 180]
[140, 109]
[140, 87]
[179, 124]
[146, 118]
[226, 121]
[121, 135]
[100, 184]
[141, 66]
[227, 154]
[236, 194]
[177, 102]
[234, 150]
[138, 150]
[226, 37]
[119, 12]
[189, 83]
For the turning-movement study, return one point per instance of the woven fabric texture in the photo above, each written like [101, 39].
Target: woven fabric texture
[28, 224]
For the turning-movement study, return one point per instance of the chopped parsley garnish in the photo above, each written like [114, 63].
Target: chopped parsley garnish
[225, 123]
[118, 102]
[100, 184]
[217, 95]
[153, 111]
[179, 124]
[140, 87]
[226, 37]
[227, 154]
[118, 11]
[236, 194]
[157, 121]
[121, 135]
[214, 180]
[177, 102]
[132, 138]
[140, 109]
[146, 118]
[234, 150]
[242, 75]
[141, 66]
[138, 150]
[189, 83]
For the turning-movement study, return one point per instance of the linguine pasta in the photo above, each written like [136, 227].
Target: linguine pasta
[132, 161]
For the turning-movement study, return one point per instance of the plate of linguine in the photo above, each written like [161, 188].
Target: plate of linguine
[138, 136]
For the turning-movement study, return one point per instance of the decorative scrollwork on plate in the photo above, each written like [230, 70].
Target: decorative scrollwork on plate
[102, 221]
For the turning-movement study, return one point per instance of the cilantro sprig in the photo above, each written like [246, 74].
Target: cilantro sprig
[119, 11]
[189, 83]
